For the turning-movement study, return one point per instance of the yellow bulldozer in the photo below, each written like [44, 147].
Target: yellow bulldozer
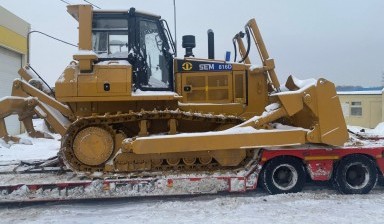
[126, 103]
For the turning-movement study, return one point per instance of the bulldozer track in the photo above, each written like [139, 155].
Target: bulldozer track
[124, 162]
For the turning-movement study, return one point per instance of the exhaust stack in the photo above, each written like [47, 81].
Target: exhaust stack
[211, 44]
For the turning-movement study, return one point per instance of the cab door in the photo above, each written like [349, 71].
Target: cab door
[153, 64]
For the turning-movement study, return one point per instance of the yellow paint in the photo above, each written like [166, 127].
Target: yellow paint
[308, 158]
[13, 40]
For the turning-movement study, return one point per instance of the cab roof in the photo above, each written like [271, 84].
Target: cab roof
[73, 10]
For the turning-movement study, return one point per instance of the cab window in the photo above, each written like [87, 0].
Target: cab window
[152, 47]
[110, 37]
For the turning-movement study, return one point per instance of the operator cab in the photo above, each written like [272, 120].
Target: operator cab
[141, 39]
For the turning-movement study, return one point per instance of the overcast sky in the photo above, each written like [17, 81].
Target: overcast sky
[341, 40]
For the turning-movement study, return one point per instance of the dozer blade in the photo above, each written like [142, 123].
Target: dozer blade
[234, 138]
[314, 105]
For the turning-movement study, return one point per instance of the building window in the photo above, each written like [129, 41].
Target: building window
[356, 109]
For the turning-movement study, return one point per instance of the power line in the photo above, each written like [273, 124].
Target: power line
[35, 31]
[92, 4]
[64, 2]
[65, 42]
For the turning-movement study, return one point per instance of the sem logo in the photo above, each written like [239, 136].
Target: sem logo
[206, 67]
[187, 66]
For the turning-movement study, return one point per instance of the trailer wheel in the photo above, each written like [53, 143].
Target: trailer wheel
[355, 174]
[283, 175]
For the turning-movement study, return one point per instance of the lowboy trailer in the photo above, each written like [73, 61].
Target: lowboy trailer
[350, 169]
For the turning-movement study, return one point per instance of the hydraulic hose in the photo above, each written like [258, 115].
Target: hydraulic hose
[235, 48]
[249, 45]
[53, 93]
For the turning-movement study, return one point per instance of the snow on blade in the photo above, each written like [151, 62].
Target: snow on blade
[272, 106]
[303, 83]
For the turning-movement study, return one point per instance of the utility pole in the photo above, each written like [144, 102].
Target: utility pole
[174, 18]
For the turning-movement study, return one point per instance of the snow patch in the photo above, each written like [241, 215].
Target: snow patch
[254, 67]
[378, 130]
[313, 206]
[29, 142]
[303, 83]
[114, 62]
[31, 148]
[153, 93]
[85, 52]
[272, 106]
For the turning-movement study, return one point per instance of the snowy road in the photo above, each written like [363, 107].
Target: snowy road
[321, 206]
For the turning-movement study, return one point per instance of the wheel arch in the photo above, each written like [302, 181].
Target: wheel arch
[266, 161]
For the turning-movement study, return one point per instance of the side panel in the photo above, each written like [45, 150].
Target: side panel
[212, 87]
[239, 87]
[220, 87]
[86, 85]
[105, 81]
[116, 79]
[66, 85]
[320, 169]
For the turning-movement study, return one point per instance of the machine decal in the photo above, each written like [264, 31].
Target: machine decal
[214, 67]
[187, 66]
[194, 66]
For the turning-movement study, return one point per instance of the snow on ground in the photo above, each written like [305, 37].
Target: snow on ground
[39, 150]
[311, 206]
[378, 130]
[323, 206]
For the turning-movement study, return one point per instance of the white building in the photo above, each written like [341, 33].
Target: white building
[362, 108]
[13, 55]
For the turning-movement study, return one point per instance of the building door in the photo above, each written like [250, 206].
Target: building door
[10, 63]
[375, 114]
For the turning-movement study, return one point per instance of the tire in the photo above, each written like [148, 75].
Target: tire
[283, 175]
[355, 174]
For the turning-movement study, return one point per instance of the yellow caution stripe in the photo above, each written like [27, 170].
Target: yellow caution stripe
[12, 40]
[309, 158]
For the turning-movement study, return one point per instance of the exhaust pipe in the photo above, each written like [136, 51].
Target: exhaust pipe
[211, 44]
